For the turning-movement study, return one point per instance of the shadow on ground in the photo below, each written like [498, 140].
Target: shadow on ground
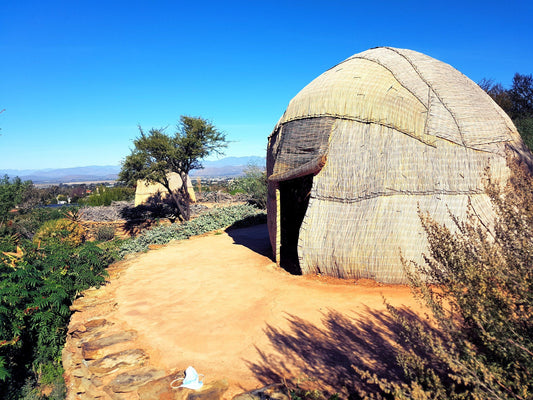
[325, 355]
[253, 237]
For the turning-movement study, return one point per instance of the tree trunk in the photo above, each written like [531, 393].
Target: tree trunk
[181, 199]
[185, 196]
[182, 212]
[176, 200]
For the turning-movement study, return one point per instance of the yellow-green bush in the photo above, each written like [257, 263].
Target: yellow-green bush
[63, 230]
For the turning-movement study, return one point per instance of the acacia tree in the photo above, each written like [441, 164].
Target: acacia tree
[156, 154]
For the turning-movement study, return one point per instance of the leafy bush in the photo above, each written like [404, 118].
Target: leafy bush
[37, 286]
[11, 193]
[105, 233]
[525, 127]
[105, 196]
[26, 223]
[112, 248]
[215, 219]
[480, 293]
[63, 230]
[254, 184]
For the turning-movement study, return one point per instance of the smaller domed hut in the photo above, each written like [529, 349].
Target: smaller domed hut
[366, 145]
[147, 191]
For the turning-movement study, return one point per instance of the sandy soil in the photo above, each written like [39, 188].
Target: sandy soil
[220, 304]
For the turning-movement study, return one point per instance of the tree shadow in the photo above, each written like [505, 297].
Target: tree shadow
[254, 237]
[326, 355]
[142, 216]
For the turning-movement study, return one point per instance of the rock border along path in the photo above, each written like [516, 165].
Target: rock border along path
[218, 303]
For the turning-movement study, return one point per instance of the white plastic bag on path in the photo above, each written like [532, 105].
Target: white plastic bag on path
[191, 380]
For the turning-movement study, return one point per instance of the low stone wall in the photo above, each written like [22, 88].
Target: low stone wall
[123, 229]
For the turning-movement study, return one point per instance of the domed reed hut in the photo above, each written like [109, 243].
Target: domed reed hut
[366, 144]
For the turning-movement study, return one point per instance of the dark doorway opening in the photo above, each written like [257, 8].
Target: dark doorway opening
[294, 199]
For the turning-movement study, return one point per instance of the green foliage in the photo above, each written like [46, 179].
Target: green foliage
[11, 193]
[63, 230]
[517, 102]
[525, 127]
[105, 233]
[112, 248]
[217, 218]
[104, 196]
[43, 214]
[521, 95]
[27, 223]
[48, 373]
[156, 154]
[37, 286]
[253, 183]
[479, 289]
[4, 371]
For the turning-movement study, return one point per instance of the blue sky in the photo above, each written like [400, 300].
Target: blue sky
[78, 77]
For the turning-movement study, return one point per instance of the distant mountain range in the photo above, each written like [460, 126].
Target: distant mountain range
[225, 167]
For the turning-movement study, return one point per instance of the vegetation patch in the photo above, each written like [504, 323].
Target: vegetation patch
[217, 218]
[38, 284]
[63, 230]
[105, 233]
[104, 196]
[254, 184]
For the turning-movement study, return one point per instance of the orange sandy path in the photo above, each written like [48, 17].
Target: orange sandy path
[227, 310]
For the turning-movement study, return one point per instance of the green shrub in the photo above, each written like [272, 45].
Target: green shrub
[36, 289]
[27, 223]
[254, 184]
[525, 127]
[63, 230]
[105, 233]
[480, 293]
[11, 194]
[105, 196]
[112, 248]
[217, 218]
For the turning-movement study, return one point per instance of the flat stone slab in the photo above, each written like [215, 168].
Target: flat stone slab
[160, 389]
[96, 348]
[89, 328]
[112, 362]
[130, 381]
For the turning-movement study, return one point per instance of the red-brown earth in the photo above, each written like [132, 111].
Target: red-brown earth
[220, 304]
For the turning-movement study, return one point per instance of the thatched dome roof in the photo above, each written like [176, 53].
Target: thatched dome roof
[382, 132]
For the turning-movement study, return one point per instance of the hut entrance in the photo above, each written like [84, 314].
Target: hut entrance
[294, 199]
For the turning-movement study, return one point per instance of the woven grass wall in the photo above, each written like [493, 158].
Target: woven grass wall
[385, 132]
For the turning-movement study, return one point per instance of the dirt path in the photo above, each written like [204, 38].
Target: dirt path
[219, 303]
